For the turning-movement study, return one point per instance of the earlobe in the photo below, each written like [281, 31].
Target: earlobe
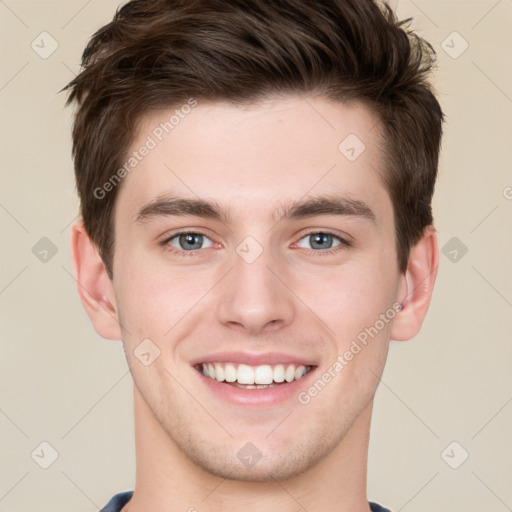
[93, 284]
[418, 283]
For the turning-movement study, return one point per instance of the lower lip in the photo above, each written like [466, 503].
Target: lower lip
[257, 397]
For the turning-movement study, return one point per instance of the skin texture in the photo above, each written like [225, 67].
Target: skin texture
[293, 298]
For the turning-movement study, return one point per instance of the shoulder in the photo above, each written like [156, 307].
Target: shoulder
[375, 507]
[117, 502]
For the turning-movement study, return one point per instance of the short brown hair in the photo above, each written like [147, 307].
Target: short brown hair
[158, 53]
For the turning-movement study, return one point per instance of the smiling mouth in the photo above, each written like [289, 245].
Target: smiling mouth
[253, 377]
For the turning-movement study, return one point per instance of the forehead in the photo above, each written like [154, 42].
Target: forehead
[256, 156]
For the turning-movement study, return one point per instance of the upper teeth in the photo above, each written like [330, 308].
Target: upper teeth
[245, 374]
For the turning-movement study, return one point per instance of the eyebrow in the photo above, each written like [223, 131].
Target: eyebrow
[317, 205]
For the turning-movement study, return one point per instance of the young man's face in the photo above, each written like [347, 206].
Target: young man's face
[262, 283]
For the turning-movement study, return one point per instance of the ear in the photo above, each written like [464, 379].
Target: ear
[417, 286]
[95, 288]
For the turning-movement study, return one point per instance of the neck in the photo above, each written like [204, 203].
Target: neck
[167, 480]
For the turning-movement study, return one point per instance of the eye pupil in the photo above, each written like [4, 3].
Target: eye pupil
[191, 239]
[321, 241]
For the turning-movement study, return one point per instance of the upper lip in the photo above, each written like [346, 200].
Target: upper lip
[253, 359]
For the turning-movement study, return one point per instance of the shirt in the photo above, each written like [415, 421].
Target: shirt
[121, 499]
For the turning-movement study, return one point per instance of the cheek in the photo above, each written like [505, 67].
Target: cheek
[152, 299]
[352, 309]
[349, 298]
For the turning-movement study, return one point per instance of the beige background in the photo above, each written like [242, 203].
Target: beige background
[62, 384]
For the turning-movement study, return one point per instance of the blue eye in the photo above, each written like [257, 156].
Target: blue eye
[189, 241]
[321, 241]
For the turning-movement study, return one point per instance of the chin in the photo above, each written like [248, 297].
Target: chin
[258, 460]
[267, 469]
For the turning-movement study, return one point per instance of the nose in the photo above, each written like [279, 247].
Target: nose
[254, 298]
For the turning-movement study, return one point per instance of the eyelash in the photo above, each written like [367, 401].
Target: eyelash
[344, 244]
